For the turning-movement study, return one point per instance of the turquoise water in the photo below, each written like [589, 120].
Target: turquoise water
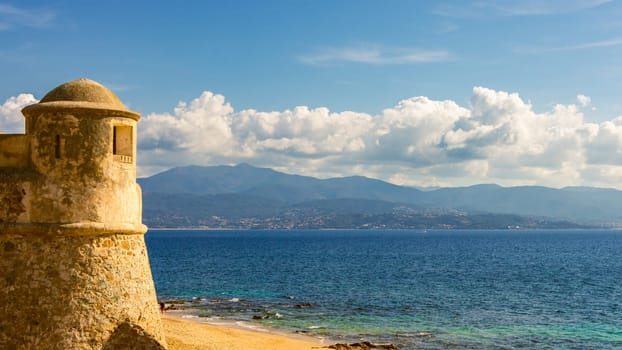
[423, 290]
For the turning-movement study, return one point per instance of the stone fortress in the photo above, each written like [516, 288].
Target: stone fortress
[74, 270]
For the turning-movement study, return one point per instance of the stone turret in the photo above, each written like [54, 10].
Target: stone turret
[74, 270]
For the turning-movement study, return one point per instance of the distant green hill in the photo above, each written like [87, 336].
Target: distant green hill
[246, 196]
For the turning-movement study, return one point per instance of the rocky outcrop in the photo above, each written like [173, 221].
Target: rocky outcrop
[365, 345]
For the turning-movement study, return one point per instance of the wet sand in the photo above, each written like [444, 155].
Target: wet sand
[182, 334]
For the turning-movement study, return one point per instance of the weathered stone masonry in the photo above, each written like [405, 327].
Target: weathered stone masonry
[74, 270]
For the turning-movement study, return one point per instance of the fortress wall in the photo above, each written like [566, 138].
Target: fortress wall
[74, 291]
[14, 150]
[74, 270]
[15, 185]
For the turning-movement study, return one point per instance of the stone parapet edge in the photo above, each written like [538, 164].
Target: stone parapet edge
[77, 107]
[71, 229]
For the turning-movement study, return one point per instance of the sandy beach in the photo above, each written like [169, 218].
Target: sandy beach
[182, 334]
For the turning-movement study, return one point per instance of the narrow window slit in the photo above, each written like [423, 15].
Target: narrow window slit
[57, 147]
[114, 140]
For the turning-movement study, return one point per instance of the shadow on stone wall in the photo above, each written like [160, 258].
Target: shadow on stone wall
[128, 336]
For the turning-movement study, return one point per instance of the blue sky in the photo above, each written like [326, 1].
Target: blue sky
[425, 93]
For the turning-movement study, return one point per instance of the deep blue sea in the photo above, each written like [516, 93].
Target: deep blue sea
[418, 290]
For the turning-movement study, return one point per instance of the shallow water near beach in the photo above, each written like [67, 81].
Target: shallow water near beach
[418, 290]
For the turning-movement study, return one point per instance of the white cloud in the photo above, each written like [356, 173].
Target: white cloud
[13, 17]
[537, 7]
[481, 8]
[496, 138]
[574, 47]
[583, 100]
[11, 118]
[413, 130]
[207, 129]
[605, 147]
[374, 55]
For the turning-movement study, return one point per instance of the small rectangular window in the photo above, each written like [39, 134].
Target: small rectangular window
[122, 145]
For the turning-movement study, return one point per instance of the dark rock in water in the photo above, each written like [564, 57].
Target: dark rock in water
[303, 306]
[267, 314]
[365, 345]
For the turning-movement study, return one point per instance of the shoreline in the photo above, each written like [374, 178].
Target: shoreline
[192, 333]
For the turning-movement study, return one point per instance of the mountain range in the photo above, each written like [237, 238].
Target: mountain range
[244, 196]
